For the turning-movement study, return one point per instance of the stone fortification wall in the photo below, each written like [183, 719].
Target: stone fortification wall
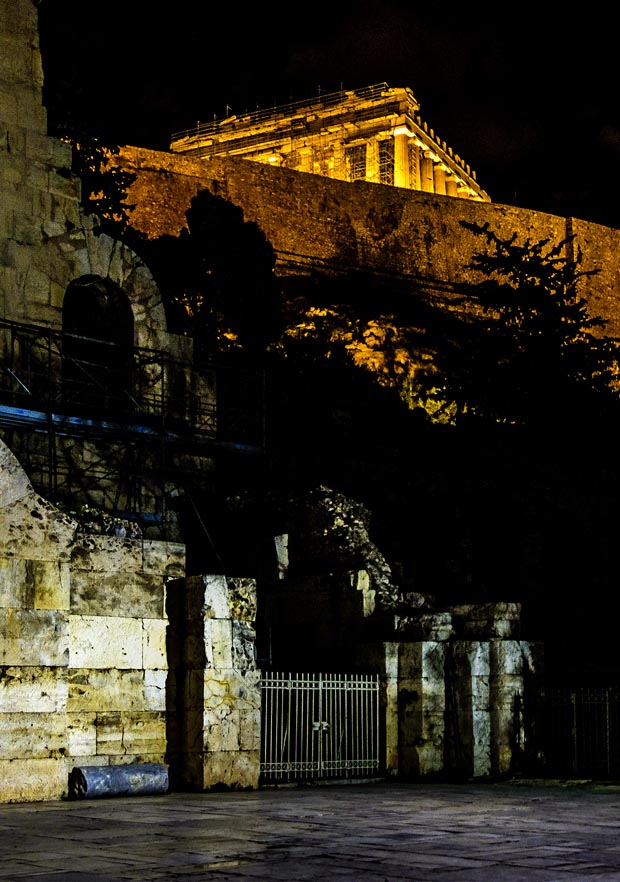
[45, 240]
[327, 225]
[83, 664]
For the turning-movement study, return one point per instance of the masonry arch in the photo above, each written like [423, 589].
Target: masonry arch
[98, 339]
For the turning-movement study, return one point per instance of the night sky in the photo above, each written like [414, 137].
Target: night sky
[527, 98]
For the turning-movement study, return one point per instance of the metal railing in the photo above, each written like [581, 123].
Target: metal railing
[318, 726]
[254, 116]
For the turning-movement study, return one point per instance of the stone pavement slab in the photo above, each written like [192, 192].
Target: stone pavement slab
[382, 832]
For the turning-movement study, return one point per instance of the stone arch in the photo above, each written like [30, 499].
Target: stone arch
[110, 259]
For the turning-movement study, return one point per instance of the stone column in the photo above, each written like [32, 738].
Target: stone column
[401, 160]
[451, 186]
[427, 182]
[439, 179]
[222, 699]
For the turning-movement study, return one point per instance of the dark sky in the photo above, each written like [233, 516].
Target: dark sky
[527, 98]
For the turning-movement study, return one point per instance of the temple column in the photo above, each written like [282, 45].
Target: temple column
[439, 179]
[451, 186]
[427, 182]
[401, 160]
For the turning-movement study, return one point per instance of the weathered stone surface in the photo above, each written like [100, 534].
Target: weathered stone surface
[242, 600]
[106, 555]
[36, 689]
[121, 593]
[34, 637]
[165, 559]
[34, 584]
[237, 770]
[32, 735]
[106, 690]
[487, 620]
[131, 733]
[218, 643]
[154, 644]
[82, 734]
[105, 642]
[32, 780]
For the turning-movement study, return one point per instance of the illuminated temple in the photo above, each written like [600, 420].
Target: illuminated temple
[372, 134]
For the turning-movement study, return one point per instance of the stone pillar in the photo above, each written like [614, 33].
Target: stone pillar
[421, 704]
[439, 179]
[451, 186]
[401, 160]
[221, 694]
[414, 165]
[427, 182]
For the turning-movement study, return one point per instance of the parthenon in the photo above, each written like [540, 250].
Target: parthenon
[372, 134]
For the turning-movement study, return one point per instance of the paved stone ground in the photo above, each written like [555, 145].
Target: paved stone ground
[385, 832]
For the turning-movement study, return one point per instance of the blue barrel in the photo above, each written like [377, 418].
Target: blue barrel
[139, 779]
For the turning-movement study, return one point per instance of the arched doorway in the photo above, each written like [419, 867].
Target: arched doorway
[98, 337]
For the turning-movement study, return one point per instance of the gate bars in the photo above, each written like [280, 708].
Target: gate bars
[319, 726]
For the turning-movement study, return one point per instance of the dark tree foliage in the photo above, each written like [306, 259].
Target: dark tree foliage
[104, 187]
[217, 279]
[519, 346]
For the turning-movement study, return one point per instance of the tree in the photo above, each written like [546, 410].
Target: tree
[104, 187]
[518, 344]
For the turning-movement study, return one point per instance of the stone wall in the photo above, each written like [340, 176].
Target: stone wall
[324, 225]
[83, 662]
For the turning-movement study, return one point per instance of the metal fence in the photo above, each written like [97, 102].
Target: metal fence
[317, 726]
[583, 731]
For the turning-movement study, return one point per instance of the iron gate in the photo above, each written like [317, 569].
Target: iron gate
[317, 726]
[583, 731]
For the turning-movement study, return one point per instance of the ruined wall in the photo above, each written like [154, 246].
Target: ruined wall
[217, 695]
[83, 662]
[315, 222]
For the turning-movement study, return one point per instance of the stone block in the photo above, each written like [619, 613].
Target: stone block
[154, 644]
[242, 600]
[229, 687]
[82, 734]
[250, 730]
[238, 770]
[32, 735]
[155, 690]
[106, 555]
[34, 638]
[38, 690]
[106, 690]
[166, 559]
[34, 584]
[12, 580]
[131, 733]
[221, 727]
[105, 642]
[50, 584]
[218, 643]
[117, 594]
[422, 658]
[33, 780]
[243, 645]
